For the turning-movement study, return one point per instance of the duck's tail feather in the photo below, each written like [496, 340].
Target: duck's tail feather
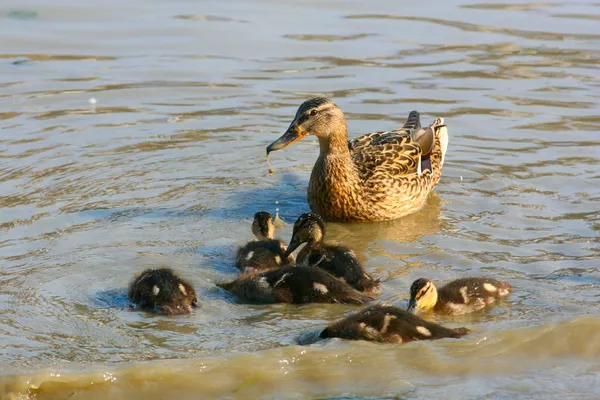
[413, 121]
[441, 131]
[438, 153]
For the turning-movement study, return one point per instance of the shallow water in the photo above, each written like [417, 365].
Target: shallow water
[167, 168]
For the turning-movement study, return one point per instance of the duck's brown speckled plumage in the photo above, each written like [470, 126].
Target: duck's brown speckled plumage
[373, 177]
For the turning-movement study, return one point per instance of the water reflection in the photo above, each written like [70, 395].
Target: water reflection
[169, 167]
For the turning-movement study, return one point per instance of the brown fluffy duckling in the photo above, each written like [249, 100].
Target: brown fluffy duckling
[296, 285]
[161, 291]
[266, 252]
[458, 297]
[388, 324]
[339, 261]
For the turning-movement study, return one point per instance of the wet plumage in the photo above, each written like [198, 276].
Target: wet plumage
[161, 291]
[297, 285]
[388, 324]
[265, 252]
[461, 296]
[375, 177]
[339, 261]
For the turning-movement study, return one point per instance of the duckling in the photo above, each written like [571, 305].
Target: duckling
[295, 285]
[266, 252]
[458, 297]
[339, 261]
[161, 291]
[388, 324]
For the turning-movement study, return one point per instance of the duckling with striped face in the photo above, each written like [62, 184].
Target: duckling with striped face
[265, 252]
[461, 296]
[161, 291]
[339, 261]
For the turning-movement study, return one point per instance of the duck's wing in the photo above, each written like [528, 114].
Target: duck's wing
[399, 152]
[391, 153]
[413, 122]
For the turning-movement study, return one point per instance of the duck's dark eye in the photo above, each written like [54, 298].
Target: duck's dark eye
[313, 112]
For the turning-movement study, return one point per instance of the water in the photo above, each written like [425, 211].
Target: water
[167, 168]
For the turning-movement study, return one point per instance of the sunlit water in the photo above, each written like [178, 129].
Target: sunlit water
[167, 168]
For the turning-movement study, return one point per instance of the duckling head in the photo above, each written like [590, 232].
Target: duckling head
[318, 116]
[423, 295]
[176, 300]
[262, 226]
[310, 229]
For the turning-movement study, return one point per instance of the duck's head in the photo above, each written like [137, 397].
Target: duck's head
[309, 228]
[318, 116]
[176, 300]
[262, 226]
[423, 295]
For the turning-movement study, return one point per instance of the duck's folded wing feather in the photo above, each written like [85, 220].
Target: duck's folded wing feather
[377, 139]
[392, 154]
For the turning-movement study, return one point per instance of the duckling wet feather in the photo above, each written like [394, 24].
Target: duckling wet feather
[388, 324]
[297, 285]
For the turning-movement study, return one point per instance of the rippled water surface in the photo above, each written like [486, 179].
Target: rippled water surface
[167, 168]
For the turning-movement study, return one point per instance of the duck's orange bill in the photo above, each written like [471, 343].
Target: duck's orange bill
[293, 134]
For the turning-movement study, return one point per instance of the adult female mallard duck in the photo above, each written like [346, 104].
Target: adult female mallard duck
[161, 291]
[375, 177]
[339, 261]
[461, 296]
[388, 324]
[265, 252]
[296, 285]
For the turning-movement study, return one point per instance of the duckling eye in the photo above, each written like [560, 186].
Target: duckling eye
[422, 292]
[313, 112]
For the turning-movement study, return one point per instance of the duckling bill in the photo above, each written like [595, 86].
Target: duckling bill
[266, 252]
[295, 285]
[388, 324]
[461, 296]
[339, 261]
[161, 291]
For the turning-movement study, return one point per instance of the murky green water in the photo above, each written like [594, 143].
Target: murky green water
[167, 168]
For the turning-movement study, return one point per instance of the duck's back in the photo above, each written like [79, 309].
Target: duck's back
[340, 262]
[262, 255]
[467, 295]
[384, 323]
[301, 285]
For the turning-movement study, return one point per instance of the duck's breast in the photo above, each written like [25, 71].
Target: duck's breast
[334, 190]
